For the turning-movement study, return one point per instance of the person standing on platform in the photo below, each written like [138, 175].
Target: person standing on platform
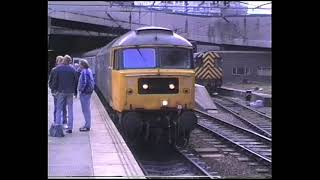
[85, 87]
[64, 82]
[59, 61]
[78, 71]
[76, 67]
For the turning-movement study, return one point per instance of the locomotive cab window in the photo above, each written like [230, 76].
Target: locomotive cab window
[175, 58]
[150, 58]
[137, 58]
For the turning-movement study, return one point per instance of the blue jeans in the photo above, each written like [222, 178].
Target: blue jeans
[85, 106]
[62, 99]
[55, 110]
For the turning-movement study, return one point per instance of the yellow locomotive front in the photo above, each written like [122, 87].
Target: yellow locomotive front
[152, 85]
[158, 78]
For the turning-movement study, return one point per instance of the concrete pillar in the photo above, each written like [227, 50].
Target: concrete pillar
[49, 28]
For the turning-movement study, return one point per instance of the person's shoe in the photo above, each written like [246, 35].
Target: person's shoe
[65, 126]
[83, 129]
[69, 131]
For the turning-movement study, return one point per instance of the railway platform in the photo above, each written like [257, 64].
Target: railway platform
[239, 90]
[265, 87]
[101, 152]
[203, 99]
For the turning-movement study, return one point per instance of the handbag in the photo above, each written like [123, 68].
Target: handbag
[56, 131]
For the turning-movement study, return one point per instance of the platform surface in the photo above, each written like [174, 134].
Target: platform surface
[203, 99]
[264, 91]
[99, 152]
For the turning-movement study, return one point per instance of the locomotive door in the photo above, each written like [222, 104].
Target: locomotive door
[108, 86]
[109, 76]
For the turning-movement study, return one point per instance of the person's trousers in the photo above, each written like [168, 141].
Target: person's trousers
[85, 106]
[64, 110]
[62, 99]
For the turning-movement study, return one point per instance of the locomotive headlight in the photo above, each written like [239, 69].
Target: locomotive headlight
[164, 103]
[145, 86]
[171, 86]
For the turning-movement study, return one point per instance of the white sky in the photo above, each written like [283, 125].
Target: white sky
[253, 4]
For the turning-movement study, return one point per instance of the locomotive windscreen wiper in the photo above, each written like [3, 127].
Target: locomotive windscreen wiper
[141, 54]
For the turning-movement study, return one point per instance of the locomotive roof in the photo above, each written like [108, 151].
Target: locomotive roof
[91, 53]
[151, 35]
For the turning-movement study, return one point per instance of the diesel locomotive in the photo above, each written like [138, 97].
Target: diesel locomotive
[147, 78]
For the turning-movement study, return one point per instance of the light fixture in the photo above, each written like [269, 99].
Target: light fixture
[164, 103]
[171, 86]
[145, 86]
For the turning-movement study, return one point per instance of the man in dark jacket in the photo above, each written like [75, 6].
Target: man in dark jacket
[59, 61]
[75, 66]
[64, 82]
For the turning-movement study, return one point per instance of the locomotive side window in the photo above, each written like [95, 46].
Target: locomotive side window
[175, 58]
[116, 58]
[139, 58]
[106, 58]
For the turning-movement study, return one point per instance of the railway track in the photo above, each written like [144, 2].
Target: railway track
[249, 142]
[177, 162]
[228, 161]
[260, 122]
[170, 161]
